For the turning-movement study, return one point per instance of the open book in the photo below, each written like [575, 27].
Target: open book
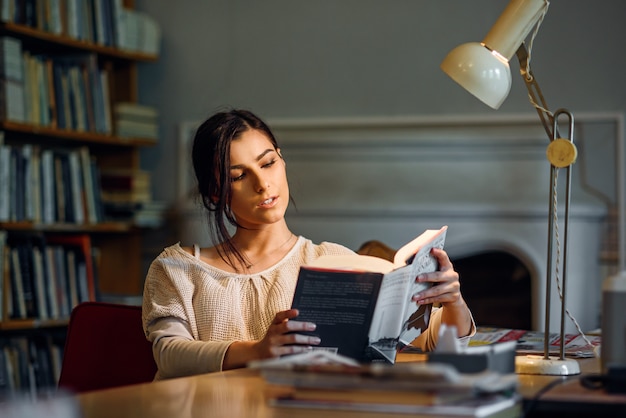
[362, 304]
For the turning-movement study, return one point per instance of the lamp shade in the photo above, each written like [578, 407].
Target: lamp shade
[480, 71]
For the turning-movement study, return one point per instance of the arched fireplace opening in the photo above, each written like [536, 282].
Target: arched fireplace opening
[497, 287]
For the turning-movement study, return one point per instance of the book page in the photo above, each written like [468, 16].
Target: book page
[390, 306]
[405, 253]
[353, 262]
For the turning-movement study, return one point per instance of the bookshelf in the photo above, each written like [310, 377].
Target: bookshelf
[78, 60]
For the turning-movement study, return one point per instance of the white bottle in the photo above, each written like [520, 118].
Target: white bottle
[613, 347]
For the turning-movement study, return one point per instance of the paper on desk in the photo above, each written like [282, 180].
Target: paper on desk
[313, 357]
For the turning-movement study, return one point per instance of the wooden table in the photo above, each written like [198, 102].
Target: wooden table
[243, 393]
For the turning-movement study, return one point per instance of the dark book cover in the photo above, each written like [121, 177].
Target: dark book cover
[25, 254]
[341, 304]
[59, 95]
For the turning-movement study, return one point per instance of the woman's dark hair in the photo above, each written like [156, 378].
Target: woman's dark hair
[211, 163]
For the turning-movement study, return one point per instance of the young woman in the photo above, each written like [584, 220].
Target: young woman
[217, 308]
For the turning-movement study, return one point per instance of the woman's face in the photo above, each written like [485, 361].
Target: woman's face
[260, 192]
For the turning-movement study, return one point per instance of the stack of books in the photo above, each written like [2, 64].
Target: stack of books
[319, 381]
[127, 196]
[125, 186]
[135, 121]
[150, 214]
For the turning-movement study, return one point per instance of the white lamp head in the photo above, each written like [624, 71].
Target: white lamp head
[482, 72]
[483, 68]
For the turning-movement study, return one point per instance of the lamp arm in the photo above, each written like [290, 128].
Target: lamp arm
[536, 96]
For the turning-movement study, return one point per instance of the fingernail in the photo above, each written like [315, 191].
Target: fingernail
[310, 326]
[315, 340]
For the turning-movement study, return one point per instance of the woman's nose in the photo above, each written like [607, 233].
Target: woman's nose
[261, 184]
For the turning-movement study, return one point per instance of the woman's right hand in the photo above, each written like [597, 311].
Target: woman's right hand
[282, 336]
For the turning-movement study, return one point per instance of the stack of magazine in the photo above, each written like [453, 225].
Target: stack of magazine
[532, 342]
[322, 380]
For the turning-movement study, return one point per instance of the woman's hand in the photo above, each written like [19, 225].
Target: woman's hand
[282, 336]
[446, 290]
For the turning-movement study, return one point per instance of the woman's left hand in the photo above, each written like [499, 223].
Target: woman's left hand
[446, 288]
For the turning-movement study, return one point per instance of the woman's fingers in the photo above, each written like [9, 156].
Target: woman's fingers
[285, 335]
[446, 280]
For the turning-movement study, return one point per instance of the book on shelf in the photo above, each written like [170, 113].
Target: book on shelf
[135, 129]
[362, 305]
[17, 306]
[150, 215]
[142, 33]
[12, 78]
[5, 175]
[23, 292]
[133, 120]
[48, 196]
[123, 179]
[89, 190]
[58, 289]
[124, 192]
[135, 111]
[4, 273]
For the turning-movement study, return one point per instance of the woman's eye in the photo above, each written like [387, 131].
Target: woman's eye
[269, 164]
[237, 178]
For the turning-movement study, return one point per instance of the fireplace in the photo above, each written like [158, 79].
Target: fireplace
[388, 179]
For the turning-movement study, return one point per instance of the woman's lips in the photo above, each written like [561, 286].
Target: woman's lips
[269, 202]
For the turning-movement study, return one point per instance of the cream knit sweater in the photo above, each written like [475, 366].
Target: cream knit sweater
[192, 311]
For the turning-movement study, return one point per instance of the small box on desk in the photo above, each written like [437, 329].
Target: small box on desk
[498, 357]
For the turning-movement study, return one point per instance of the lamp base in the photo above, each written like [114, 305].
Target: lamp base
[552, 366]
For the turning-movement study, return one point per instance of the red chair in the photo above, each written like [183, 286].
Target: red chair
[105, 347]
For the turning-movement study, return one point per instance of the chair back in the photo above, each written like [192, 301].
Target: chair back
[105, 347]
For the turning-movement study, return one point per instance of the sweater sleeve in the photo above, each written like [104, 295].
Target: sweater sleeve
[428, 340]
[177, 354]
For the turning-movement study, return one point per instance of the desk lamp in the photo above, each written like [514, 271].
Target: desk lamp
[483, 70]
